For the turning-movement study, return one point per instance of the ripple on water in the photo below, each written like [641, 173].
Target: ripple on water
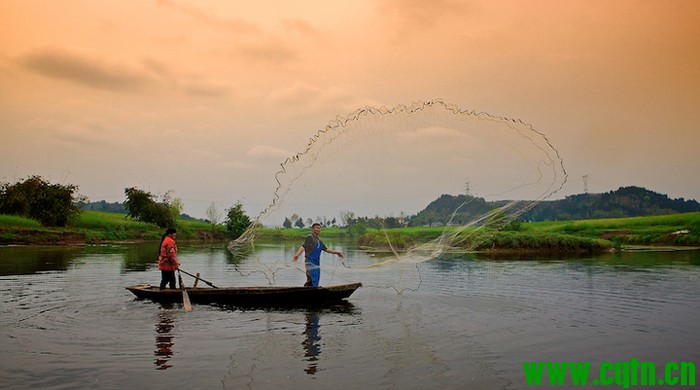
[469, 322]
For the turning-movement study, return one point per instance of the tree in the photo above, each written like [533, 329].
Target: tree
[236, 220]
[357, 229]
[287, 223]
[392, 222]
[299, 223]
[176, 207]
[347, 218]
[213, 214]
[50, 204]
[174, 204]
[142, 206]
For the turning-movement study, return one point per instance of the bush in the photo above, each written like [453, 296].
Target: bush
[141, 206]
[356, 230]
[236, 220]
[50, 204]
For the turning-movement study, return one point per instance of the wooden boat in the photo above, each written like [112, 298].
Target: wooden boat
[250, 296]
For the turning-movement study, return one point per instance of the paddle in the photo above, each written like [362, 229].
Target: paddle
[197, 277]
[185, 298]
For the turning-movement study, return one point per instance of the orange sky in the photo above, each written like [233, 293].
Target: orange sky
[206, 98]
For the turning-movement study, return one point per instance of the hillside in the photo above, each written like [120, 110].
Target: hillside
[624, 202]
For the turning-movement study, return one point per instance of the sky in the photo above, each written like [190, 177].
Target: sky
[207, 98]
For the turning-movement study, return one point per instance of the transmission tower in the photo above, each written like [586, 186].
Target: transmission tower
[585, 184]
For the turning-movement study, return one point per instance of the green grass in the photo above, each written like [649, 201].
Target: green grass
[280, 234]
[567, 236]
[652, 230]
[98, 226]
[483, 239]
[15, 221]
[101, 226]
[583, 235]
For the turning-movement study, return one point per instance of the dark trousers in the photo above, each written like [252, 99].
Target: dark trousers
[167, 277]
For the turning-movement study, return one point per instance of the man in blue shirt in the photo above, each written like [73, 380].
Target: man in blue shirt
[312, 248]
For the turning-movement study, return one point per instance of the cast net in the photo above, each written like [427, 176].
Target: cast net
[379, 167]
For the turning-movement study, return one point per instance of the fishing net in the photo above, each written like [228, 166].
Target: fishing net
[379, 165]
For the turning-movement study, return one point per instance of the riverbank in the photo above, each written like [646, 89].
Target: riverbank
[458, 238]
[582, 236]
[95, 227]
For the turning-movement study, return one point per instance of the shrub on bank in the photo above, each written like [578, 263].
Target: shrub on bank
[35, 198]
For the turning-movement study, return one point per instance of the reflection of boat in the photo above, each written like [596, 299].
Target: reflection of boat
[250, 296]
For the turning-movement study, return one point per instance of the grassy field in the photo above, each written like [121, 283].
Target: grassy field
[673, 229]
[567, 236]
[97, 226]
[564, 236]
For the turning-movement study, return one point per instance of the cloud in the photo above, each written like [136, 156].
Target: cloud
[302, 98]
[92, 72]
[211, 19]
[268, 152]
[300, 26]
[423, 133]
[205, 89]
[249, 40]
[81, 69]
[295, 94]
[414, 15]
[269, 50]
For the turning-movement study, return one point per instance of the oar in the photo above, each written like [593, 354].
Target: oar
[197, 277]
[185, 298]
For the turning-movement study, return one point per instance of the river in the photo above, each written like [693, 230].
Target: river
[67, 322]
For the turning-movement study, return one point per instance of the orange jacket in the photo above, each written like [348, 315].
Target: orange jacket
[167, 260]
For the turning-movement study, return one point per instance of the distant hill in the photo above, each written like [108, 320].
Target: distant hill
[443, 208]
[102, 205]
[624, 202]
[118, 208]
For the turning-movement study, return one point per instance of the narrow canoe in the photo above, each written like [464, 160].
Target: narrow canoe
[249, 296]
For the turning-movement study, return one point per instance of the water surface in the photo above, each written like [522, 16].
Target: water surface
[66, 321]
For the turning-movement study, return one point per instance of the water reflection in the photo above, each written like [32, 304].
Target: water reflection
[240, 255]
[24, 260]
[31, 259]
[164, 340]
[140, 257]
[311, 344]
[312, 332]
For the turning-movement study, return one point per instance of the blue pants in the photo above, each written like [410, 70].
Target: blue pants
[313, 272]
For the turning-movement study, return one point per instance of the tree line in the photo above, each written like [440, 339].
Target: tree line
[624, 202]
[57, 204]
[355, 225]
